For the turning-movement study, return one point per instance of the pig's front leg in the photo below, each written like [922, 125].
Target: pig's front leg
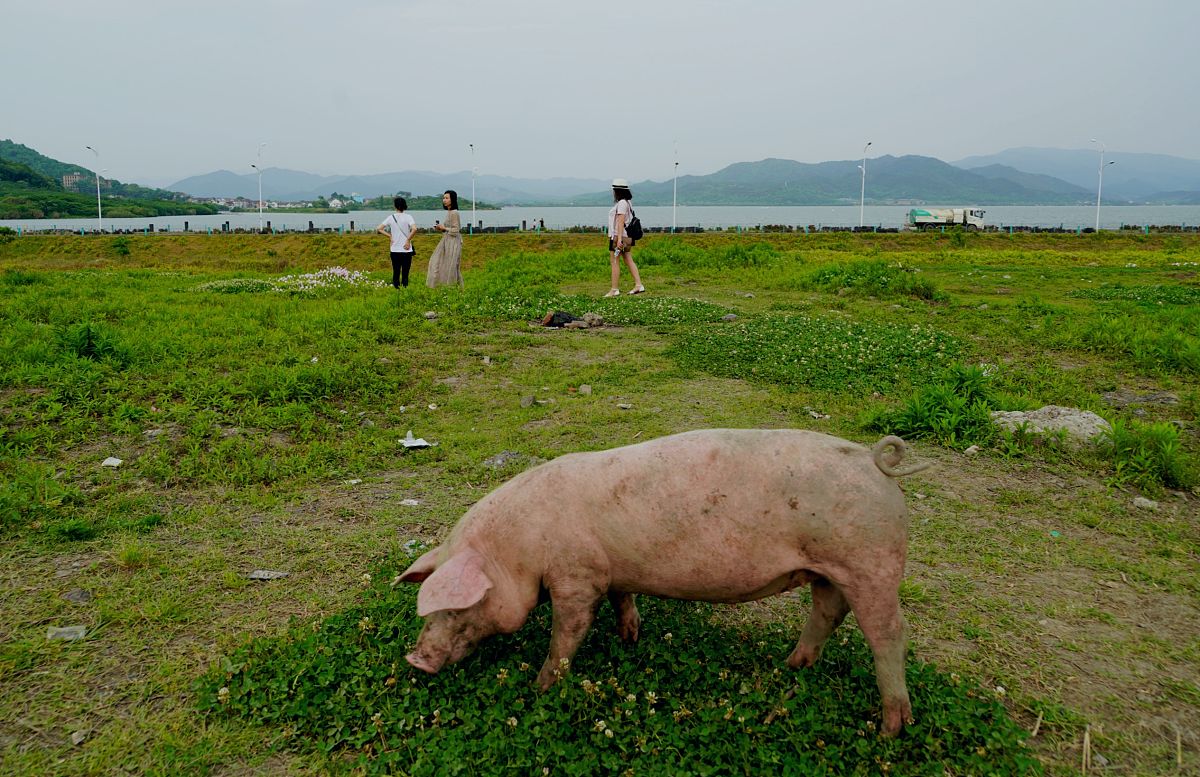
[574, 609]
[629, 621]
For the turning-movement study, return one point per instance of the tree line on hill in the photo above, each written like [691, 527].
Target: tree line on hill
[31, 187]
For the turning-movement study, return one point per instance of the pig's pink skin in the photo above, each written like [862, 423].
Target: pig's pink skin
[721, 515]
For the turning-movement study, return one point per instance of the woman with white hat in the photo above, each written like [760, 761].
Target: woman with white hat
[619, 242]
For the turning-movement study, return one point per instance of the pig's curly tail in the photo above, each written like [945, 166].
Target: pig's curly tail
[887, 454]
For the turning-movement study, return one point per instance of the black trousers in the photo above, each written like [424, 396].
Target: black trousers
[401, 264]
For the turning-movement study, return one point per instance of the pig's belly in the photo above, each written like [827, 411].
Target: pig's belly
[711, 582]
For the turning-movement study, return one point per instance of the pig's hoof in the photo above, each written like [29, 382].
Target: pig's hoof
[803, 656]
[895, 717]
[630, 628]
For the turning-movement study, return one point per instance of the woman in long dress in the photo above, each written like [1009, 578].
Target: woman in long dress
[444, 264]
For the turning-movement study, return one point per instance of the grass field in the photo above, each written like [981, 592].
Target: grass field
[257, 400]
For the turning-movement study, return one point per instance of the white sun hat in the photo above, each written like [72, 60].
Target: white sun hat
[620, 183]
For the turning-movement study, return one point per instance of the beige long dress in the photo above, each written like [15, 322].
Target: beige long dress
[444, 263]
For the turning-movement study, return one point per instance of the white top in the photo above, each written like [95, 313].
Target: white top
[400, 226]
[622, 207]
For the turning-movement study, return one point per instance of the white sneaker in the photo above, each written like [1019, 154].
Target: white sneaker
[613, 293]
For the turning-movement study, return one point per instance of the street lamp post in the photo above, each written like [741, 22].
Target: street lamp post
[258, 168]
[862, 195]
[473, 171]
[1100, 181]
[675, 189]
[99, 211]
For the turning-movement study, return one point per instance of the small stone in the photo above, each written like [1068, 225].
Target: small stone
[383, 360]
[585, 390]
[112, 461]
[353, 481]
[430, 315]
[78, 737]
[68, 633]
[544, 401]
[367, 423]
[78, 595]
[729, 317]
[625, 406]
[314, 360]
[1142, 503]
[409, 502]
[152, 433]
[984, 306]
[593, 319]
[433, 407]
[487, 360]
[972, 450]
[748, 295]
[526, 401]
[266, 574]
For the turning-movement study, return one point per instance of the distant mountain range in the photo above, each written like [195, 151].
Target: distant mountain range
[1021, 176]
[1152, 178]
[294, 185]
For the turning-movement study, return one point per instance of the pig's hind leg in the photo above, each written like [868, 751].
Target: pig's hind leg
[829, 608]
[877, 610]
[629, 621]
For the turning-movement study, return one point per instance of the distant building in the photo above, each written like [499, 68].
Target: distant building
[71, 180]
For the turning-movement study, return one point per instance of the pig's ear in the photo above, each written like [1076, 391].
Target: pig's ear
[456, 585]
[420, 569]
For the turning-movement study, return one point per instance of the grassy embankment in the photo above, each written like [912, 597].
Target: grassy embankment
[259, 429]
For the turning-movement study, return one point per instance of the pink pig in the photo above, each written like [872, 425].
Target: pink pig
[718, 515]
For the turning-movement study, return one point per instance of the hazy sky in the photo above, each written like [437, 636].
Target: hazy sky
[547, 88]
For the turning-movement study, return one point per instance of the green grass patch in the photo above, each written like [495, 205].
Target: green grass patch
[693, 696]
[820, 353]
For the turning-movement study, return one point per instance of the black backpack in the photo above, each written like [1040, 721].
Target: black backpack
[634, 227]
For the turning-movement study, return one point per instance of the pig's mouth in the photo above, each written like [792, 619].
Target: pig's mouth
[423, 663]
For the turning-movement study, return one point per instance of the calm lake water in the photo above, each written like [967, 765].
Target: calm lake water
[707, 217]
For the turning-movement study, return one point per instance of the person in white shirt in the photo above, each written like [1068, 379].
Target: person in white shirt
[400, 227]
[619, 243]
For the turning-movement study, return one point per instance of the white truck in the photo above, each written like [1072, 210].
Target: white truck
[931, 218]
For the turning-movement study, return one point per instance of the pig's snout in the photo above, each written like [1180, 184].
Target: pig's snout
[423, 663]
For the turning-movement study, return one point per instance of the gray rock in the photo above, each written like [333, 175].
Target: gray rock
[593, 319]
[112, 461]
[585, 390]
[1080, 426]
[152, 433]
[1122, 398]
[430, 315]
[503, 458]
[729, 317]
[78, 737]
[78, 595]
[625, 406]
[1142, 503]
[266, 574]
[68, 633]
[526, 401]
[974, 449]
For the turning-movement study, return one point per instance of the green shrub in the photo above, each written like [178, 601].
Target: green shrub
[955, 411]
[693, 696]
[1147, 456]
[875, 277]
[92, 341]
